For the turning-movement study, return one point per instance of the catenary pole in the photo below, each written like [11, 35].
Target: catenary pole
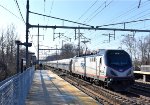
[27, 31]
[38, 45]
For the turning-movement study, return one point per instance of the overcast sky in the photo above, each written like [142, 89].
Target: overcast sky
[91, 12]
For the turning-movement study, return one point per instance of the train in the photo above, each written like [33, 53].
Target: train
[108, 67]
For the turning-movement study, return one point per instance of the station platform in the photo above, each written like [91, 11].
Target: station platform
[142, 72]
[145, 75]
[49, 89]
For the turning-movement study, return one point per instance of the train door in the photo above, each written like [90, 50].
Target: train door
[85, 66]
[100, 65]
[70, 66]
[96, 68]
[74, 64]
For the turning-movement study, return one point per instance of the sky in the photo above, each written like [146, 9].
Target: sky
[90, 12]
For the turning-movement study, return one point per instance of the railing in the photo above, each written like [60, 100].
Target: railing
[145, 68]
[14, 90]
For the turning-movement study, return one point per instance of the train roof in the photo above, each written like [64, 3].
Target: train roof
[99, 52]
[103, 51]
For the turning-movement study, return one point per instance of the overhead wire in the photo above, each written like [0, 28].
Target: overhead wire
[94, 11]
[14, 15]
[128, 11]
[100, 11]
[135, 21]
[87, 10]
[51, 7]
[10, 12]
[97, 12]
[125, 22]
[139, 14]
[50, 10]
[60, 19]
[19, 10]
[143, 15]
[23, 19]
[133, 9]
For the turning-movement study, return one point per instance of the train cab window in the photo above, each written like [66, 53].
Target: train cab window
[118, 59]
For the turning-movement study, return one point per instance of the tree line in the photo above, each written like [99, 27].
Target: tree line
[138, 48]
[69, 51]
[8, 50]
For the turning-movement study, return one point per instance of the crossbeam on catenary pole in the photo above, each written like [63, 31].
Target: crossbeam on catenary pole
[88, 28]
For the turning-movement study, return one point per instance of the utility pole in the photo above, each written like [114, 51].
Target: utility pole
[79, 42]
[56, 56]
[38, 44]
[110, 35]
[56, 52]
[149, 50]
[59, 34]
[27, 30]
[17, 42]
[62, 44]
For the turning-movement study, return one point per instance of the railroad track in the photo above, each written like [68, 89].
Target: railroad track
[142, 90]
[105, 96]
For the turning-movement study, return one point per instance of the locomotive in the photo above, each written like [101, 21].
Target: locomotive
[110, 68]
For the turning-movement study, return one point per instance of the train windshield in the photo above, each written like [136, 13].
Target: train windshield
[118, 58]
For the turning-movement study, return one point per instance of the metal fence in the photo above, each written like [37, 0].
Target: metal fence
[14, 90]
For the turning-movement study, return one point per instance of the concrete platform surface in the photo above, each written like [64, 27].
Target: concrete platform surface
[49, 89]
[142, 72]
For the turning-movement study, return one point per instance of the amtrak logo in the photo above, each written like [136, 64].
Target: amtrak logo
[120, 70]
[83, 65]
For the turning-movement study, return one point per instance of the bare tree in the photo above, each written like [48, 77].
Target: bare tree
[8, 49]
[130, 43]
[144, 49]
[68, 52]
[2, 47]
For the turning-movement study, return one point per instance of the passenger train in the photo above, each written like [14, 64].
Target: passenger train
[110, 68]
